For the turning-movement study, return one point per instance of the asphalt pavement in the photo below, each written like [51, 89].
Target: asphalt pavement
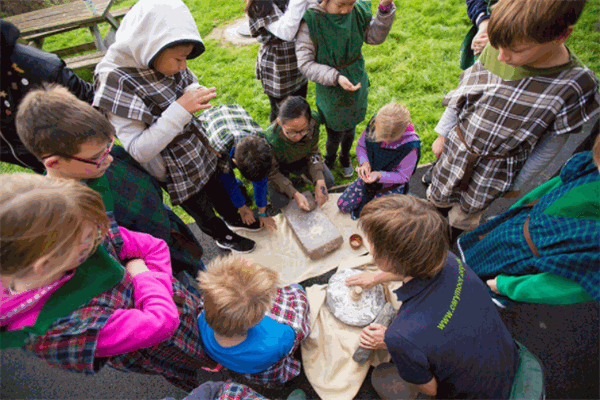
[565, 338]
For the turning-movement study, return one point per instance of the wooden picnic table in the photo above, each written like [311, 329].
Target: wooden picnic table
[37, 25]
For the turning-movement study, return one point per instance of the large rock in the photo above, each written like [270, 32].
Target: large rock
[315, 232]
[351, 306]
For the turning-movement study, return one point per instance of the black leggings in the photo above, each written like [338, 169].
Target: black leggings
[200, 207]
[334, 138]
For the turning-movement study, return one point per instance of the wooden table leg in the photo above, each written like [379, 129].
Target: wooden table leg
[98, 38]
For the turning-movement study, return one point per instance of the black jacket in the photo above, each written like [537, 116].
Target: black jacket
[24, 68]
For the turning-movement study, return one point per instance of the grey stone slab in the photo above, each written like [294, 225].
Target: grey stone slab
[316, 234]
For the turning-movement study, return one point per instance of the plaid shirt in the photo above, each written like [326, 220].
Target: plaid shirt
[225, 126]
[144, 94]
[276, 63]
[506, 118]
[568, 247]
[237, 391]
[291, 308]
[70, 342]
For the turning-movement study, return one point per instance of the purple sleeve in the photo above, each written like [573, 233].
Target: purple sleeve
[403, 170]
[361, 150]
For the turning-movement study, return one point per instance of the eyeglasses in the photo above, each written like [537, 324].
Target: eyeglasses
[293, 134]
[97, 163]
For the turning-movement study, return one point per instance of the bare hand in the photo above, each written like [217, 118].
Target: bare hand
[438, 146]
[136, 266]
[268, 222]
[196, 100]
[481, 39]
[302, 201]
[347, 85]
[365, 280]
[373, 177]
[385, 3]
[372, 337]
[364, 170]
[492, 283]
[246, 214]
[321, 194]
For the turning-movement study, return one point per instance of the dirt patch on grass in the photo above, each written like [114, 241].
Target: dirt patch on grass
[229, 34]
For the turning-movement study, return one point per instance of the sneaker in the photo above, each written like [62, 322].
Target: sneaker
[347, 169]
[236, 243]
[426, 178]
[238, 224]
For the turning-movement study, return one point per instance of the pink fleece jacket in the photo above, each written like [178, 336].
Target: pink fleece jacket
[153, 320]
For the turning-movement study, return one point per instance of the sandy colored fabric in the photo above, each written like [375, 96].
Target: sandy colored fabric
[281, 251]
[327, 352]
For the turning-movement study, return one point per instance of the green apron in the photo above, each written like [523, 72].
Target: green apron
[338, 40]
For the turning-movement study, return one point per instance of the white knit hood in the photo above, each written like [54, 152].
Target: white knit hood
[147, 29]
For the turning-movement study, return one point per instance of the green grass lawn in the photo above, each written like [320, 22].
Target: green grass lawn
[417, 64]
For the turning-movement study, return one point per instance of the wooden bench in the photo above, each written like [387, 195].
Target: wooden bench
[38, 38]
[85, 61]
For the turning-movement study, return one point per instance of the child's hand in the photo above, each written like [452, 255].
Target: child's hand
[365, 280]
[364, 170]
[136, 266]
[246, 214]
[385, 3]
[302, 201]
[481, 38]
[347, 85]
[269, 222]
[373, 177]
[321, 194]
[196, 100]
[372, 337]
[493, 284]
[438, 146]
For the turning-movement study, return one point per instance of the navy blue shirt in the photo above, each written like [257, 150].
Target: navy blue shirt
[448, 328]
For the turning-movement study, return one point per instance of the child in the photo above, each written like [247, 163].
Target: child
[239, 140]
[551, 93]
[388, 153]
[73, 141]
[294, 138]
[250, 326]
[61, 290]
[328, 47]
[276, 64]
[150, 96]
[546, 248]
[448, 339]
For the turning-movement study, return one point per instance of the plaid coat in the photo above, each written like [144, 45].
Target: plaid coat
[70, 342]
[505, 119]
[138, 206]
[225, 126]
[290, 307]
[237, 391]
[276, 63]
[143, 94]
[568, 242]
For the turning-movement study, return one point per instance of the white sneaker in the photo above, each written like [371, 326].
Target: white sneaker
[347, 172]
